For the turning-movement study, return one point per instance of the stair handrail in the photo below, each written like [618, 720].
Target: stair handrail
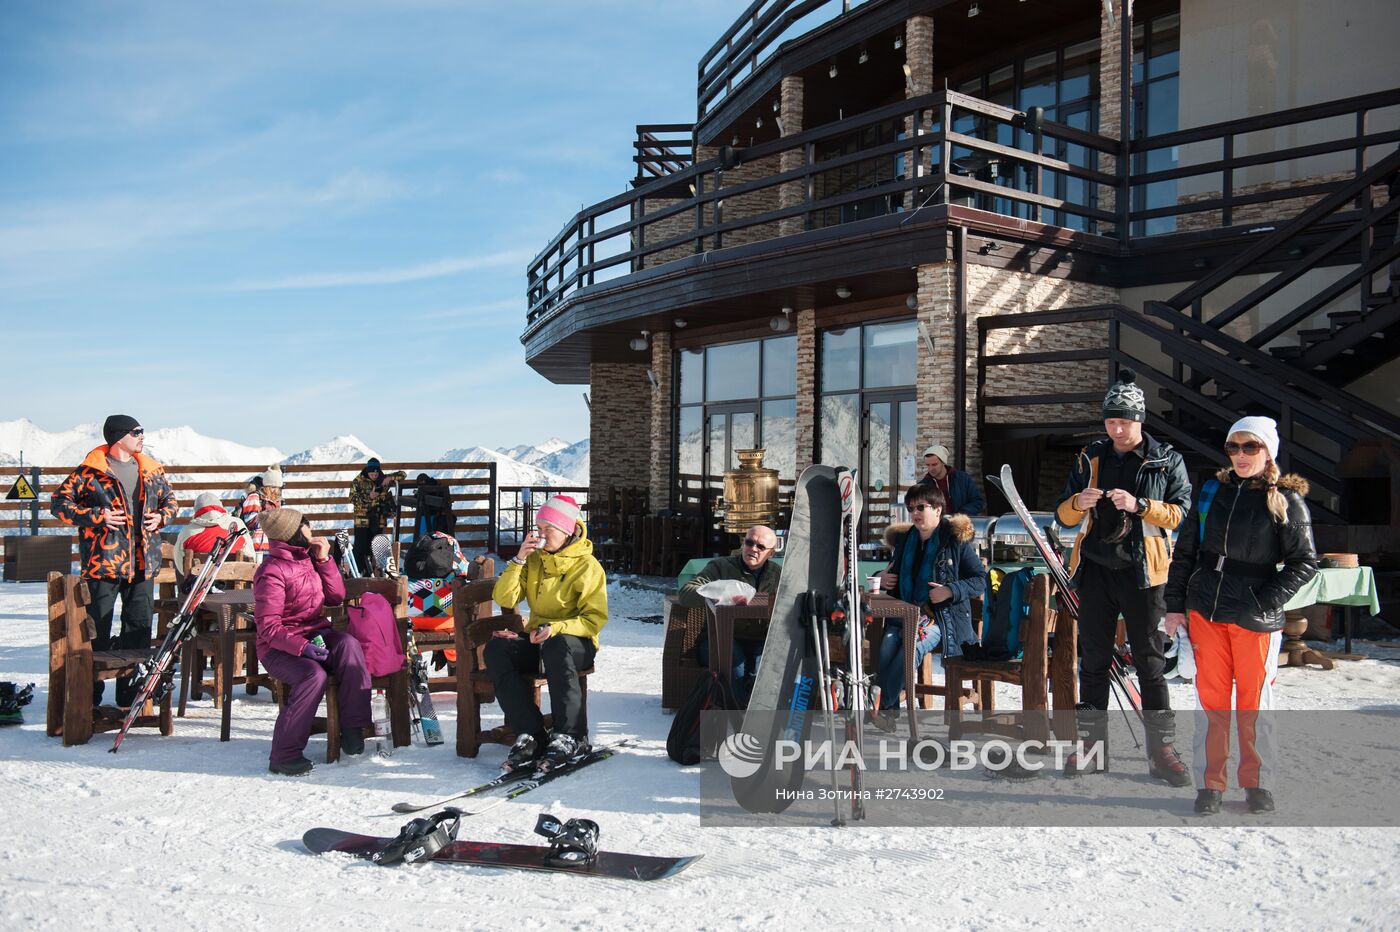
[1347, 406]
[1334, 201]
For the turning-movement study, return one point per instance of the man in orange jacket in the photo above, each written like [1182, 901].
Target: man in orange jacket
[118, 499]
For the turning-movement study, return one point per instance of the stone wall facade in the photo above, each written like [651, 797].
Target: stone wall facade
[993, 291]
[620, 432]
[659, 231]
[1113, 97]
[662, 433]
[806, 388]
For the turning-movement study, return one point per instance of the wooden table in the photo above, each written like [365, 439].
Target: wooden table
[223, 606]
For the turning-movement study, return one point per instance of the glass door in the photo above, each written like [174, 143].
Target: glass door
[890, 463]
[727, 428]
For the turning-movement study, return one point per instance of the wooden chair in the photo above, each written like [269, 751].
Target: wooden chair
[680, 671]
[445, 639]
[473, 629]
[927, 687]
[74, 668]
[1032, 672]
[395, 686]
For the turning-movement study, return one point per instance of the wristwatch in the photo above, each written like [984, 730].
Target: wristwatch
[1142, 505]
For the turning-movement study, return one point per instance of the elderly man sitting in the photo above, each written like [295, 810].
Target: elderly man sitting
[749, 564]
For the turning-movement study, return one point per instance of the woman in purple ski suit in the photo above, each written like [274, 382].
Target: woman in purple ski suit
[292, 587]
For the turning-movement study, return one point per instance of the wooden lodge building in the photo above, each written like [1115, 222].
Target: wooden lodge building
[901, 222]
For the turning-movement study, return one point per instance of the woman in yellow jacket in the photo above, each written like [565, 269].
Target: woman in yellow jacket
[567, 591]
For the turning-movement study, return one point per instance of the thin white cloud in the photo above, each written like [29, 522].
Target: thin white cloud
[441, 268]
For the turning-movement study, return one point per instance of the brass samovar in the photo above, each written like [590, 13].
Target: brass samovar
[750, 493]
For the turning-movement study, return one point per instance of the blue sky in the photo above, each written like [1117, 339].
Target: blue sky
[279, 222]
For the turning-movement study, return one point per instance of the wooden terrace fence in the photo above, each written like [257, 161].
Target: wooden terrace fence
[320, 491]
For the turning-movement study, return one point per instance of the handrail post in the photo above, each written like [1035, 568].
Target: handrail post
[494, 532]
[1227, 182]
[945, 148]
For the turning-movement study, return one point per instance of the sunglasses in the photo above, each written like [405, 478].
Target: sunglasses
[750, 542]
[137, 431]
[1248, 448]
[922, 508]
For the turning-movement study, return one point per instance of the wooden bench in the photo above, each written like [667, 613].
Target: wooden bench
[474, 627]
[75, 668]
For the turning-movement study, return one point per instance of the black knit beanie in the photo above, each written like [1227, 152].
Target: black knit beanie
[118, 426]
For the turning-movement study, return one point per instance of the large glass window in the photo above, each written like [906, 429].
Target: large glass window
[1065, 81]
[1156, 74]
[730, 397]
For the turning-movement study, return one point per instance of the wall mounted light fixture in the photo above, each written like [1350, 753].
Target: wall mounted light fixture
[924, 335]
[651, 378]
[780, 324]
[831, 72]
[912, 302]
[640, 343]
[680, 323]
[898, 41]
[842, 292]
[972, 10]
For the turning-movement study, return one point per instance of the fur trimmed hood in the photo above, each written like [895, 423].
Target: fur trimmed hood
[1289, 482]
[960, 526]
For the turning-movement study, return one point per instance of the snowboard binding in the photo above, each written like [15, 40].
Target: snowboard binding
[420, 839]
[12, 700]
[572, 843]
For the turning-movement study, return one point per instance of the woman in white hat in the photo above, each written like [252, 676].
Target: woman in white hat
[1227, 589]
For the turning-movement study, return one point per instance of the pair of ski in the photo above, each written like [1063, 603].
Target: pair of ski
[156, 674]
[420, 694]
[1129, 697]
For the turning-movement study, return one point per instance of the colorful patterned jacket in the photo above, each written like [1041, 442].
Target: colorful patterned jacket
[380, 508]
[105, 553]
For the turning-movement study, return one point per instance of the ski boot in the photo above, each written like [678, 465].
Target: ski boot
[1208, 802]
[571, 844]
[1165, 764]
[523, 754]
[12, 700]
[420, 839]
[562, 748]
[352, 741]
[1091, 756]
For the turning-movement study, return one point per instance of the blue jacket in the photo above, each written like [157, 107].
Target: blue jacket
[965, 498]
[951, 560]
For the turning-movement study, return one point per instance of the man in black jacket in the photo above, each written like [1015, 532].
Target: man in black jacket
[1129, 491]
[751, 565]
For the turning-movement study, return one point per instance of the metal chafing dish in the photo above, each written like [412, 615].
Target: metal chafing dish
[1008, 541]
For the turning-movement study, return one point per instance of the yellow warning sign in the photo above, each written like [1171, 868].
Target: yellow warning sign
[21, 490]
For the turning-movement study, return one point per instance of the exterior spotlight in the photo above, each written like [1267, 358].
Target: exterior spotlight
[776, 104]
[912, 302]
[779, 324]
[843, 292]
[680, 323]
[651, 377]
[864, 57]
[778, 122]
[640, 343]
[758, 122]
[831, 72]
[899, 42]
[972, 10]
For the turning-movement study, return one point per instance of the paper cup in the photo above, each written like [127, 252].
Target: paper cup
[872, 584]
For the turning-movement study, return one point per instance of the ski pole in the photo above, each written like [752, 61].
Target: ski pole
[816, 634]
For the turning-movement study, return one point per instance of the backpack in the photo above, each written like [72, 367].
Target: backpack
[684, 743]
[1001, 633]
[430, 557]
[373, 624]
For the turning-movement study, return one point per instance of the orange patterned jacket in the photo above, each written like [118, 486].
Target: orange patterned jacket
[105, 553]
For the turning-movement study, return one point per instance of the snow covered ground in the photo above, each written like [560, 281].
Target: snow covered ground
[186, 832]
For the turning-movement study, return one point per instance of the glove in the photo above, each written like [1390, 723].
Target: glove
[318, 654]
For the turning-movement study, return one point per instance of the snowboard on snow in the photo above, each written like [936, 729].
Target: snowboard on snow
[784, 700]
[493, 854]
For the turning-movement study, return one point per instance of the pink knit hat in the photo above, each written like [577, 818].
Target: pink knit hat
[560, 511]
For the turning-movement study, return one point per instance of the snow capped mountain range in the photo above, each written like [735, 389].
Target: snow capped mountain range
[552, 463]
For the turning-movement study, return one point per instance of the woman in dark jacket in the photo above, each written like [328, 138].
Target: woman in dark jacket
[936, 566]
[1226, 588]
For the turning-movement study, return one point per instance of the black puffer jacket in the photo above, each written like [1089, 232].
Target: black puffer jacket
[1245, 588]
